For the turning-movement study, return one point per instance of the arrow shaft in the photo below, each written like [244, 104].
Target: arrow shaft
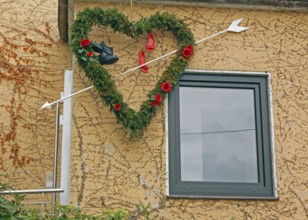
[214, 35]
[151, 61]
[137, 67]
[168, 54]
[68, 96]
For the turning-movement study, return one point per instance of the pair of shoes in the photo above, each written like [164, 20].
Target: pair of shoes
[150, 46]
[106, 53]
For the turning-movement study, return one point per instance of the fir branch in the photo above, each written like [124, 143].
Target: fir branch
[134, 122]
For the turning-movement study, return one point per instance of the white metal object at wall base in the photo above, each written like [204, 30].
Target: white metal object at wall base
[35, 191]
[31, 191]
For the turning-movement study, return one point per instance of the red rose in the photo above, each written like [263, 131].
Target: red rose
[89, 54]
[84, 42]
[154, 103]
[158, 98]
[187, 51]
[166, 86]
[117, 107]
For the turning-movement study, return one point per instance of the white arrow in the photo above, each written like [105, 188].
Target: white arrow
[232, 28]
[48, 105]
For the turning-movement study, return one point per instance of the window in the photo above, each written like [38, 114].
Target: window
[220, 136]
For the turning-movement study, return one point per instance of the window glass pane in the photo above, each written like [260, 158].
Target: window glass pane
[218, 138]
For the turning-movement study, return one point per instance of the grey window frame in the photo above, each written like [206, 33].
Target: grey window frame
[266, 187]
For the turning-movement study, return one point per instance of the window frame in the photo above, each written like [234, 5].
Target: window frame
[267, 186]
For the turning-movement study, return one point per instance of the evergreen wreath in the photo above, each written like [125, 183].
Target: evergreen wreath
[134, 122]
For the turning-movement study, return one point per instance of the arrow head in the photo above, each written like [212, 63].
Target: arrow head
[46, 106]
[235, 28]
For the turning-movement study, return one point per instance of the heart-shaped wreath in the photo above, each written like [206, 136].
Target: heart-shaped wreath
[134, 122]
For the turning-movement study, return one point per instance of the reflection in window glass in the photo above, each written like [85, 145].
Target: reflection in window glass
[218, 137]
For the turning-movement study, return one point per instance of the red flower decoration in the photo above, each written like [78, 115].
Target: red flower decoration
[166, 87]
[89, 54]
[84, 42]
[158, 98]
[151, 43]
[117, 107]
[154, 103]
[187, 51]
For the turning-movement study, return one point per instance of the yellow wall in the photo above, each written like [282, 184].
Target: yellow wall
[32, 63]
[109, 169]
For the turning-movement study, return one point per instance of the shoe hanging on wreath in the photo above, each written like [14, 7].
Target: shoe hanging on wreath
[150, 46]
[142, 61]
[106, 55]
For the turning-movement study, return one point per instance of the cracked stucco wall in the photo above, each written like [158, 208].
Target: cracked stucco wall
[32, 63]
[109, 169]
